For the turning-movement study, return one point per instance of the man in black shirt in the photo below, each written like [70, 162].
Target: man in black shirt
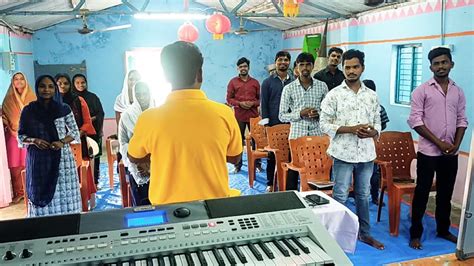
[270, 96]
[331, 75]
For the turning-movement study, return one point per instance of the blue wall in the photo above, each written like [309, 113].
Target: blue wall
[105, 52]
[380, 56]
[22, 46]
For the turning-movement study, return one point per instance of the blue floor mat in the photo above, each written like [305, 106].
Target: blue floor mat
[396, 248]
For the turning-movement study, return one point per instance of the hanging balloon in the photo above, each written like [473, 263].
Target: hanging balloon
[188, 32]
[218, 24]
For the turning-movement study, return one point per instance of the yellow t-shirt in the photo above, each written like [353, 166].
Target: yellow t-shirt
[188, 138]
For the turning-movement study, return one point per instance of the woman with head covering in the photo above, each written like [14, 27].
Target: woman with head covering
[47, 126]
[138, 176]
[18, 96]
[125, 98]
[79, 82]
[82, 116]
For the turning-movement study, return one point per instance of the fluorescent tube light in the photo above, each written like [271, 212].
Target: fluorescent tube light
[171, 16]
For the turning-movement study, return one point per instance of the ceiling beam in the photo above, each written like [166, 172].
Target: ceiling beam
[237, 7]
[129, 5]
[145, 5]
[224, 6]
[277, 7]
[79, 5]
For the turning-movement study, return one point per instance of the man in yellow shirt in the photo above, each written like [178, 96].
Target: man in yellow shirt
[189, 138]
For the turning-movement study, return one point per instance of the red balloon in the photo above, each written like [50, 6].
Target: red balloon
[218, 24]
[188, 32]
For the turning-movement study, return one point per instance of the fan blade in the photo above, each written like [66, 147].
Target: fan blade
[120, 27]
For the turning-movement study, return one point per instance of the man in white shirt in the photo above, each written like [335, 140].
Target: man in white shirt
[350, 115]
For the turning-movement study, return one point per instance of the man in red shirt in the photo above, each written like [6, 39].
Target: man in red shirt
[243, 94]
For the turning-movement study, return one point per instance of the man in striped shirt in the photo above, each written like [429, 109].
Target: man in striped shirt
[300, 105]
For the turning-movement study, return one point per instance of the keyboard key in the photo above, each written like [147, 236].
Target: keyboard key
[180, 260]
[195, 258]
[218, 257]
[266, 250]
[266, 260]
[316, 248]
[172, 260]
[291, 246]
[211, 260]
[229, 255]
[188, 258]
[279, 259]
[201, 258]
[300, 245]
[240, 254]
[281, 248]
[255, 252]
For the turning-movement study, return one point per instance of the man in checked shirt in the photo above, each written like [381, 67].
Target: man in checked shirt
[300, 105]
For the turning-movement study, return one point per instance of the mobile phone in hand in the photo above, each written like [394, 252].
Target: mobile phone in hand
[316, 199]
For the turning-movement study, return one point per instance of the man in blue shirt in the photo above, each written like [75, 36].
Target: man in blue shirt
[270, 96]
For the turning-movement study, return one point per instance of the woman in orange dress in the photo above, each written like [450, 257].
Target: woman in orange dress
[18, 96]
[84, 123]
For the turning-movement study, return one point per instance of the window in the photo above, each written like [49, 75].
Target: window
[147, 61]
[408, 76]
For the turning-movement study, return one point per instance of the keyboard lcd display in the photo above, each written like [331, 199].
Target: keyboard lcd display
[148, 218]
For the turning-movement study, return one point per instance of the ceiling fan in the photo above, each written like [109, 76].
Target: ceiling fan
[86, 30]
[243, 31]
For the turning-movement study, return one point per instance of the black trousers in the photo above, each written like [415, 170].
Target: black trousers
[292, 178]
[271, 162]
[242, 127]
[446, 168]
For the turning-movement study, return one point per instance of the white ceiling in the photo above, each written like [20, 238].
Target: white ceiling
[37, 14]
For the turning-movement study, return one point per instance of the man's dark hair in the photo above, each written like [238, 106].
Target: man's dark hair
[335, 49]
[305, 57]
[438, 52]
[181, 61]
[283, 54]
[352, 53]
[243, 60]
[370, 84]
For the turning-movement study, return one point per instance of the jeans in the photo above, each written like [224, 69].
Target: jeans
[446, 168]
[343, 173]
